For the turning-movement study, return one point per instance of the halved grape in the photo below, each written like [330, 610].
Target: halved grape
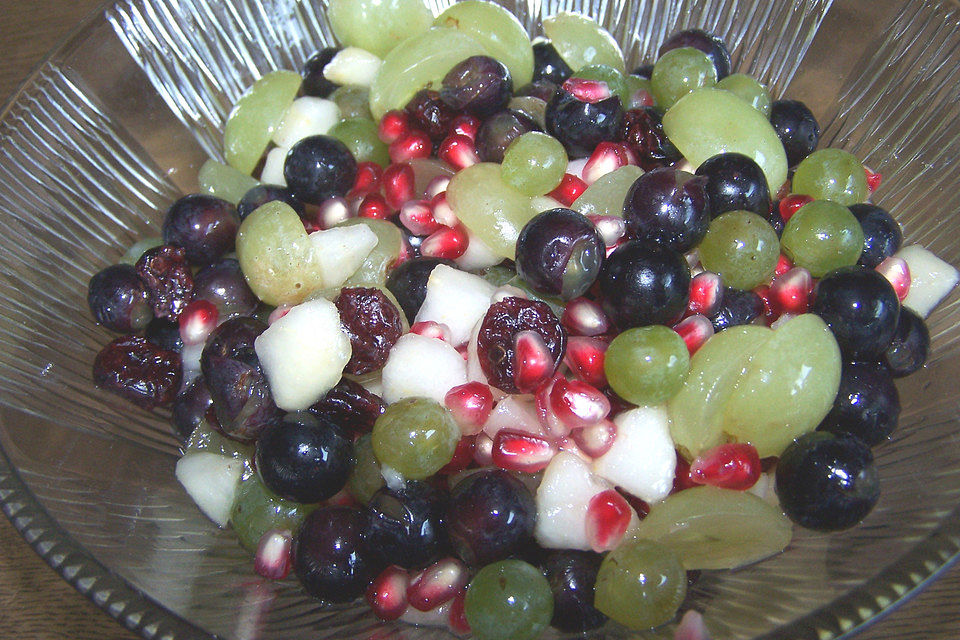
[641, 584]
[831, 174]
[223, 181]
[534, 163]
[749, 90]
[206, 438]
[360, 136]
[256, 116]
[416, 437]
[257, 510]
[605, 197]
[822, 236]
[678, 72]
[377, 25]
[580, 41]
[647, 365]
[742, 247]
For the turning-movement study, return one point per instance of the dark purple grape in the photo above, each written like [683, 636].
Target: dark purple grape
[559, 252]
[699, 39]
[735, 183]
[796, 127]
[861, 308]
[548, 65]
[241, 394]
[572, 575]
[881, 234]
[644, 283]
[430, 114]
[775, 218]
[264, 193]
[373, 324]
[543, 89]
[736, 307]
[223, 285]
[642, 130]
[490, 516]
[498, 131]
[168, 278]
[204, 226]
[304, 457]
[910, 345]
[319, 167]
[405, 526]
[867, 404]
[350, 406]
[139, 371]
[480, 85]
[643, 71]
[827, 482]
[581, 126]
[330, 558]
[408, 283]
[165, 334]
[191, 406]
[119, 300]
[668, 207]
[314, 82]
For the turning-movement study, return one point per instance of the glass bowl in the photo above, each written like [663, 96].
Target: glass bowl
[113, 128]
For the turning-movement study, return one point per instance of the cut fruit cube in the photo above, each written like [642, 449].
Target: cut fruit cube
[457, 299]
[306, 116]
[931, 279]
[354, 66]
[423, 367]
[211, 480]
[642, 459]
[272, 172]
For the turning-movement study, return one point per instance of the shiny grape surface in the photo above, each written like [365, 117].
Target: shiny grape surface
[742, 248]
[678, 72]
[640, 584]
[508, 600]
[647, 365]
[831, 174]
[415, 436]
[822, 236]
[534, 163]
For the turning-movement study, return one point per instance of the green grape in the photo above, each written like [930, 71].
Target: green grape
[831, 174]
[647, 365]
[508, 600]
[353, 101]
[425, 170]
[256, 116]
[534, 163]
[139, 247]
[605, 73]
[224, 182]
[257, 510]
[421, 60]
[365, 479]
[706, 122]
[789, 387]
[678, 72]
[499, 275]
[712, 528]
[533, 108]
[605, 197]
[416, 437]
[377, 25]
[498, 31]
[749, 90]
[206, 438]
[373, 271]
[637, 90]
[715, 368]
[580, 41]
[822, 236]
[742, 248]
[360, 136]
[640, 584]
[490, 208]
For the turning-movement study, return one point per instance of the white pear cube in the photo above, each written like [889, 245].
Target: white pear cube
[931, 279]
[303, 354]
[478, 255]
[211, 480]
[422, 367]
[307, 116]
[353, 65]
[273, 167]
[516, 413]
[457, 299]
[340, 251]
[642, 459]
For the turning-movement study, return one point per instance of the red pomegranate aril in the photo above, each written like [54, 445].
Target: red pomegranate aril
[695, 331]
[873, 179]
[398, 181]
[458, 151]
[462, 457]
[728, 466]
[790, 293]
[272, 559]
[197, 320]
[533, 362]
[470, 404]
[568, 190]
[770, 314]
[640, 507]
[790, 205]
[681, 476]
[584, 317]
[706, 291]
[278, 313]
[442, 211]
[612, 230]
[414, 144]
[465, 125]
[692, 627]
[608, 516]
[483, 450]
[783, 265]
[457, 618]
[587, 90]
[438, 583]
[446, 242]
[578, 404]
[375, 206]
[549, 420]
[897, 272]
[568, 444]
[606, 157]
[332, 212]
[417, 217]
[596, 439]
[393, 125]
[436, 186]
[432, 329]
[387, 594]
[516, 451]
[584, 357]
[368, 178]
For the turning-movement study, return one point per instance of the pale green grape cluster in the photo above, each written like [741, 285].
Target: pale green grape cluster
[580, 41]
[256, 116]
[742, 248]
[534, 163]
[379, 26]
[749, 90]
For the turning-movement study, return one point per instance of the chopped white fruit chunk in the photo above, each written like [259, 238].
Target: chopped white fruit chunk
[303, 354]
[307, 116]
[457, 299]
[423, 367]
[516, 413]
[273, 167]
[211, 480]
[931, 279]
[642, 459]
[478, 255]
[340, 251]
[353, 65]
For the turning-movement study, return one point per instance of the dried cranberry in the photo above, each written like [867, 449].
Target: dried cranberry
[643, 131]
[166, 273]
[431, 114]
[139, 371]
[374, 325]
[350, 406]
[503, 321]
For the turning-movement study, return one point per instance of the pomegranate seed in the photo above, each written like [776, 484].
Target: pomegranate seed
[470, 404]
[873, 179]
[273, 559]
[894, 269]
[790, 293]
[533, 363]
[462, 457]
[691, 627]
[568, 190]
[414, 144]
[695, 331]
[784, 190]
[608, 516]
[612, 230]
[596, 439]
[681, 477]
[446, 242]
[398, 183]
[368, 178]
[641, 508]
[438, 583]
[584, 357]
[197, 320]
[587, 90]
[278, 313]
[342, 498]
[783, 265]
[417, 217]
[394, 125]
[436, 186]
[483, 450]
[442, 211]
[641, 98]
[332, 212]
[606, 157]
[706, 291]
[569, 445]
[550, 422]
[583, 317]
[458, 151]
[729, 466]
[431, 329]
[790, 204]
[387, 594]
[516, 451]
[375, 206]
[465, 125]
[457, 618]
[577, 403]
[770, 314]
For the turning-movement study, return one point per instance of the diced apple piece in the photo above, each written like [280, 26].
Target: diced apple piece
[303, 354]
[272, 172]
[256, 116]
[211, 480]
[931, 279]
[514, 412]
[424, 367]
[642, 459]
[478, 255]
[457, 299]
[354, 66]
[340, 251]
[307, 116]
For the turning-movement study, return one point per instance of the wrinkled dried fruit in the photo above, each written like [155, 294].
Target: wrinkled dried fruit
[373, 324]
[139, 371]
[166, 273]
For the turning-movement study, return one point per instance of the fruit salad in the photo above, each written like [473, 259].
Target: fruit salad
[498, 334]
